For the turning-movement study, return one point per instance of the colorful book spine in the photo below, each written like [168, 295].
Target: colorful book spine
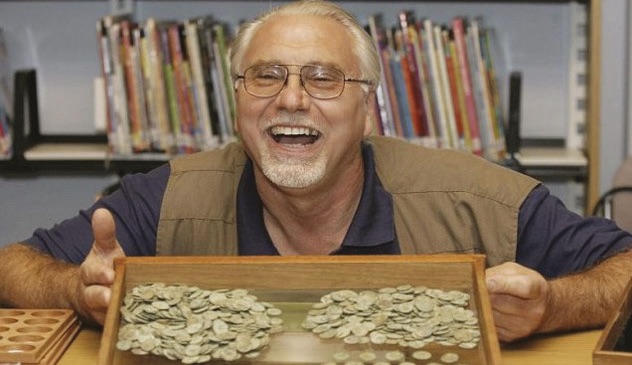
[383, 99]
[140, 89]
[171, 89]
[121, 128]
[402, 97]
[158, 101]
[225, 79]
[435, 84]
[206, 138]
[494, 94]
[108, 31]
[181, 77]
[458, 99]
[387, 59]
[451, 128]
[219, 99]
[411, 75]
[5, 134]
[416, 37]
[6, 95]
[205, 29]
[107, 74]
[133, 89]
[466, 78]
[482, 94]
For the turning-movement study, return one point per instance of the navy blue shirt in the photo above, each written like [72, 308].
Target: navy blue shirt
[551, 239]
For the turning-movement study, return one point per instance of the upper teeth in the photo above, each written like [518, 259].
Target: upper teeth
[294, 131]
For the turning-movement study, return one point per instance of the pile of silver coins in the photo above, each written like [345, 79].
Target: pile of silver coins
[406, 316]
[194, 325]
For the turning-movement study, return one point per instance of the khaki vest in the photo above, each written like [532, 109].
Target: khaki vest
[444, 201]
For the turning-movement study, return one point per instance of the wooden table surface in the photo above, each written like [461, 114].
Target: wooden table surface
[563, 349]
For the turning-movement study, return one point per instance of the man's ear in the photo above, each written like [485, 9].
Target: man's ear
[369, 121]
[236, 120]
[236, 125]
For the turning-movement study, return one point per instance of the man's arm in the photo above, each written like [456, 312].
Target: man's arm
[588, 299]
[30, 279]
[523, 302]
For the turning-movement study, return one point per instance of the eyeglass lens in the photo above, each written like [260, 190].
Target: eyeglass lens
[319, 82]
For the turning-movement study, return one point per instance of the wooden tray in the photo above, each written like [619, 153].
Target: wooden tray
[36, 335]
[615, 344]
[297, 277]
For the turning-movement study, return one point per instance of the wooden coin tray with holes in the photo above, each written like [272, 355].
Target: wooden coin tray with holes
[36, 336]
[298, 280]
[615, 344]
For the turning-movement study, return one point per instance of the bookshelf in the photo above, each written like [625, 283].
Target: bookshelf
[534, 32]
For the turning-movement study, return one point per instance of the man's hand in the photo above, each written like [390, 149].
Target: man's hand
[97, 270]
[519, 298]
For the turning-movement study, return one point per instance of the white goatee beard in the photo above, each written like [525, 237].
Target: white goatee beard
[292, 173]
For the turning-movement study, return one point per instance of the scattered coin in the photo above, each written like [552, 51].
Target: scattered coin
[450, 358]
[394, 356]
[367, 356]
[341, 356]
[421, 355]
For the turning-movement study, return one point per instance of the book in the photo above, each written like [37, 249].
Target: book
[107, 75]
[486, 36]
[444, 87]
[133, 86]
[186, 135]
[224, 81]
[383, 99]
[6, 95]
[161, 133]
[411, 75]
[514, 110]
[399, 86]
[426, 85]
[387, 58]
[466, 84]
[170, 87]
[213, 80]
[482, 115]
[112, 70]
[5, 134]
[473, 53]
[486, 114]
[138, 39]
[402, 84]
[206, 138]
[205, 29]
[442, 128]
[6, 100]
[456, 95]
[416, 36]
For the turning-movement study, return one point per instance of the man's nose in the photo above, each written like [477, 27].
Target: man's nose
[293, 96]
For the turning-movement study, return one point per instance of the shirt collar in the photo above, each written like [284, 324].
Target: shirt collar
[372, 224]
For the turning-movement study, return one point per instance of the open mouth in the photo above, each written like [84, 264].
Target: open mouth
[294, 135]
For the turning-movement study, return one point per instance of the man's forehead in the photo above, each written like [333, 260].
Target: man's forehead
[301, 39]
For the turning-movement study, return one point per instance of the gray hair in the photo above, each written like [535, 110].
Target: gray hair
[364, 48]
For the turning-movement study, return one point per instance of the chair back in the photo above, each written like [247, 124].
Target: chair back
[616, 203]
[622, 200]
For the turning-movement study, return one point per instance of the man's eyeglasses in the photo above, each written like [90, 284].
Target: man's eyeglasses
[320, 82]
